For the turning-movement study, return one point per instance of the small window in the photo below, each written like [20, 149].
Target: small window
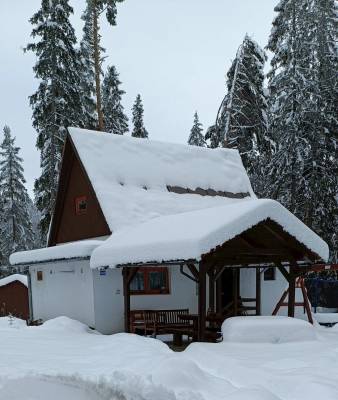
[270, 274]
[39, 275]
[150, 280]
[81, 205]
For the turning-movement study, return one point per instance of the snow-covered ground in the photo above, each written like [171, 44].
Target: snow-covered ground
[63, 359]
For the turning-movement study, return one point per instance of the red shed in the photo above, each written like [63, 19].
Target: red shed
[14, 296]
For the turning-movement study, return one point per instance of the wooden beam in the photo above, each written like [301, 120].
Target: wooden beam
[258, 291]
[218, 295]
[306, 302]
[202, 301]
[126, 296]
[292, 292]
[235, 290]
[211, 292]
[193, 270]
[284, 272]
[128, 274]
[187, 275]
[295, 252]
[280, 302]
[219, 272]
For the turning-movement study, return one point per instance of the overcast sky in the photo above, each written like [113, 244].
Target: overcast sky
[175, 53]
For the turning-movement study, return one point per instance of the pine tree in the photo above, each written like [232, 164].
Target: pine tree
[288, 85]
[15, 225]
[86, 73]
[92, 45]
[302, 173]
[321, 165]
[57, 104]
[139, 129]
[114, 118]
[241, 120]
[196, 137]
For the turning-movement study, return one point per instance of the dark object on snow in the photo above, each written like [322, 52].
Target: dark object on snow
[322, 292]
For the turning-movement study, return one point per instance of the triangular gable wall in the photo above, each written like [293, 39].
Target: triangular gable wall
[68, 224]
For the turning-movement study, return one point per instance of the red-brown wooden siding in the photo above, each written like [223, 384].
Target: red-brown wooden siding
[14, 300]
[67, 224]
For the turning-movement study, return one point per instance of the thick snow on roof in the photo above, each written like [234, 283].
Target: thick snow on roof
[189, 235]
[130, 176]
[78, 249]
[13, 278]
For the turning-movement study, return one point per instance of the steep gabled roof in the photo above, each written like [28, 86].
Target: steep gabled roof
[136, 180]
[168, 202]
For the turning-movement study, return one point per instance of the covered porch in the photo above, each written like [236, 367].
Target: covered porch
[217, 275]
[210, 247]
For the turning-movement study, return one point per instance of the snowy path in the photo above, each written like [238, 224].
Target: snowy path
[68, 362]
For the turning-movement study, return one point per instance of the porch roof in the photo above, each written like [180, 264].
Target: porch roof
[255, 230]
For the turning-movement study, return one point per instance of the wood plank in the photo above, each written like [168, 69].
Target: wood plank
[193, 270]
[235, 290]
[211, 292]
[126, 296]
[202, 301]
[258, 291]
[284, 272]
[292, 293]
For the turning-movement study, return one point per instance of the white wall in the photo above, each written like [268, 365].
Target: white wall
[66, 289]
[271, 292]
[108, 300]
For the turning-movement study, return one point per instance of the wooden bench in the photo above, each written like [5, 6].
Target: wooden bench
[160, 322]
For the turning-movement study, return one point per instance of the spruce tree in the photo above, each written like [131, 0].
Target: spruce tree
[86, 74]
[321, 165]
[139, 129]
[241, 121]
[57, 104]
[15, 225]
[288, 86]
[302, 173]
[92, 44]
[196, 137]
[115, 120]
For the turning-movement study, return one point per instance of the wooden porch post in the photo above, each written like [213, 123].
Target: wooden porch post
[258, 291]
[202, 301]
[211, 291]
[219, 295]
[235, 290]
[128, 274]
[292, 292]
[126, 295]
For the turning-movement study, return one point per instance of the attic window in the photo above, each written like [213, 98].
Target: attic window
[81, 205]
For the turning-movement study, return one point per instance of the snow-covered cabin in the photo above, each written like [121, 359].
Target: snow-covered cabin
[161, 213]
